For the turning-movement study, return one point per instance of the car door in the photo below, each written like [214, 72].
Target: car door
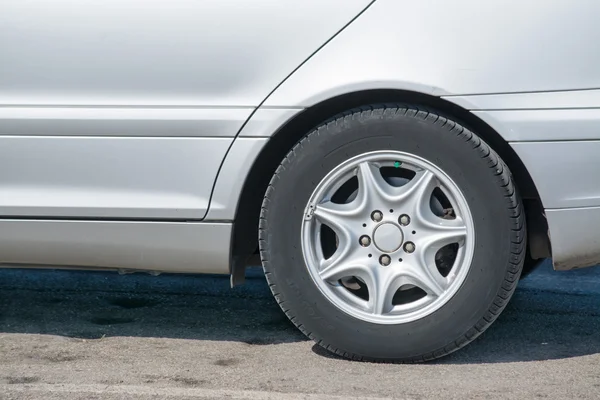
[126, 108]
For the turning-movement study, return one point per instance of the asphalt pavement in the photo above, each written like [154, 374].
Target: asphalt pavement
[99, 335]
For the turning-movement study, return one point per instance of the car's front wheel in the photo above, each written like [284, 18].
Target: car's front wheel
[391, 233]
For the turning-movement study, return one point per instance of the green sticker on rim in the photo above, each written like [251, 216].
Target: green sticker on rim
[397, 164]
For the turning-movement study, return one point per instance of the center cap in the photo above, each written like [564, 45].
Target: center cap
[388, 237]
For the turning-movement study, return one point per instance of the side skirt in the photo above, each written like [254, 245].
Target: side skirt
[185, 247]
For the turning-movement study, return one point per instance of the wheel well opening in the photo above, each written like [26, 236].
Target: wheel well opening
[245, 233]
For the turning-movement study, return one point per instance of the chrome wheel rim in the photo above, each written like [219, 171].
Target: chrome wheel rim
[388, 237]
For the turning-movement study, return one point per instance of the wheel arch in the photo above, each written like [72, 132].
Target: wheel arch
[245, 232]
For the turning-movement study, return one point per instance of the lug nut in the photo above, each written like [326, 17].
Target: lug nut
[364, 241]
[376, 216]
[409, 247]
[404, 219]
[385, 260]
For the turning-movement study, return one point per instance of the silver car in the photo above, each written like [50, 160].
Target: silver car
[395, 164]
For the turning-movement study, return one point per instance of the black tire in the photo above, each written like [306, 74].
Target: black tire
[488, 188]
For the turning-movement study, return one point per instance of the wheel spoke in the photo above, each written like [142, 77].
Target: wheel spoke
[339, 217]
[343, 267]
[441, 233]
[382, 285]
[428, 279]
[417, 193]
[335, 215]
[372, 188]
[434, 237]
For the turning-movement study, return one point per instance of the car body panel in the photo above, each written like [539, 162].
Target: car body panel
[561, 99]
[544, 125]
[228, 53]
[122, 122]
[266, 121]
[117, 110]
[240, 159]
[135, 245]
[235, 170]
[559, 148]
[567, 174]
[575, 237]
[108, 177]
[457, 47]
[113, 162]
